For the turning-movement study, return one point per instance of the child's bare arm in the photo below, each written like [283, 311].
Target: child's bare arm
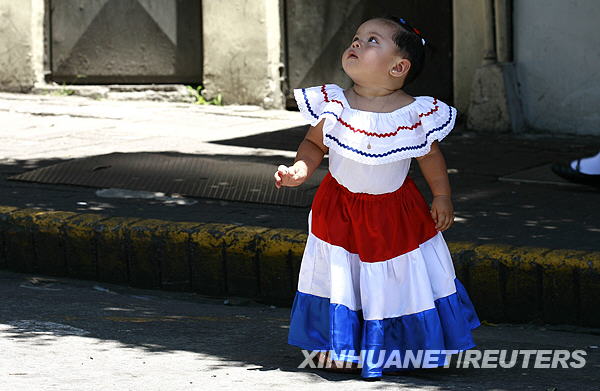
[433, 167]
[308, 158]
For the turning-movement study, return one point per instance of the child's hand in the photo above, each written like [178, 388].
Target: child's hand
[442, 212]
[290, 176]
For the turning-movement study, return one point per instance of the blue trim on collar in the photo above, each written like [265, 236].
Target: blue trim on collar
[379, 155]
[308, 104]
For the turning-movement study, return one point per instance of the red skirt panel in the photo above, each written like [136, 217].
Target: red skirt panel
[377, 227]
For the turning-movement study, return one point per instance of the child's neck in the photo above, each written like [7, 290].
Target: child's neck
[373, 93]
[378, 99]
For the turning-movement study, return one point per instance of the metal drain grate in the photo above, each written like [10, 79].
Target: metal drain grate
[186, 175]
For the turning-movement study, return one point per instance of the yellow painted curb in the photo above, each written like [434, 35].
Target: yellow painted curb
[276, 242]
[259, 262]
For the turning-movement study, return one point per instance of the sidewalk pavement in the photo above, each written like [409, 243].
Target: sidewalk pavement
[527, 249]
[70, 334]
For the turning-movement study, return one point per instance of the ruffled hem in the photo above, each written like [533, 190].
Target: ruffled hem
[318, 324]
[420, 276]
[371, 137]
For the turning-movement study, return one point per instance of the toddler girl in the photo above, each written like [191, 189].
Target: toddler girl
[377, 283]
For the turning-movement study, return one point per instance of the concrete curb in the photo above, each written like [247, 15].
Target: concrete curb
[506, 283]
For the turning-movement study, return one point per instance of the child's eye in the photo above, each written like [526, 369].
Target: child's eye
[372, 38]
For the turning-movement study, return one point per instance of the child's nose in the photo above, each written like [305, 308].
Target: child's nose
[355, 44]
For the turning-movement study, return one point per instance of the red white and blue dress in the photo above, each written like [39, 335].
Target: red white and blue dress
[376, 274]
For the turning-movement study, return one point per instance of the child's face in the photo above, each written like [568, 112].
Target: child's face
[372, 52]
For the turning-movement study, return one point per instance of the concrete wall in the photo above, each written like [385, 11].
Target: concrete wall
[243, 51]
[557, 55]
[243, 48]
[468, 21]
[21, 44]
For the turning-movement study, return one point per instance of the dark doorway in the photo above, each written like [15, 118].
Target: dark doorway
[317, 32]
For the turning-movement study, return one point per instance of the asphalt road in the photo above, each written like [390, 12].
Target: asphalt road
[65, 334]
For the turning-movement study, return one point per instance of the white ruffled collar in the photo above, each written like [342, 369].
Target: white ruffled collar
[372, 137]
[338, 92]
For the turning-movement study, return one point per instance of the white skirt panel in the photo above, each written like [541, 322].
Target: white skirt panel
[399, 286]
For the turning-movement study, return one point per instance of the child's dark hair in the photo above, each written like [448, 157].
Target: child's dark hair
[409, 41]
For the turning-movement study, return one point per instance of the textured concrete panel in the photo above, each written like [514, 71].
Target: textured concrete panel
[126, 41]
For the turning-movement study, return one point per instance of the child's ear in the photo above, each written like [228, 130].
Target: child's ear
[401, 68]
